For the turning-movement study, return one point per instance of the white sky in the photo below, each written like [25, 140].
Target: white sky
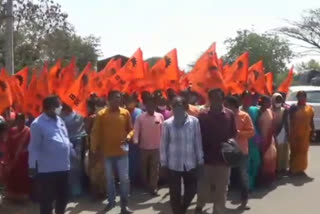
[188, 25]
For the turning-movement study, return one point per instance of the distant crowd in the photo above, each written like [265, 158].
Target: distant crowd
[153, 139]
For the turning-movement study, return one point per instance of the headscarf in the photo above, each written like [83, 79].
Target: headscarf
[275, 96]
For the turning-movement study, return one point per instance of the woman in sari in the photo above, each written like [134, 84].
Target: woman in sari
[17, 181]
[281, 133]
[267, 148]
[254, 162]
[301, 130]
[95, 169]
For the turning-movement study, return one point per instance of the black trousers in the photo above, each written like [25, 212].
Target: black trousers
[180, 205]
[53, 188]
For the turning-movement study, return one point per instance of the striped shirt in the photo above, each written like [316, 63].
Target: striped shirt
[181, 145]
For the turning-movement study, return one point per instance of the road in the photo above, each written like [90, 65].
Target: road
[287, 195]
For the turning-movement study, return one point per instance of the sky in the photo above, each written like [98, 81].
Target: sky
[191, 26]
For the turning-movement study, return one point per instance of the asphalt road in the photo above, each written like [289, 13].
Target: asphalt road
[288, 195]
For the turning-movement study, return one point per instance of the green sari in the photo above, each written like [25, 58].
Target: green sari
[254, 152]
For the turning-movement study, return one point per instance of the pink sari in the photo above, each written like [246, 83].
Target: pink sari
[268, 148]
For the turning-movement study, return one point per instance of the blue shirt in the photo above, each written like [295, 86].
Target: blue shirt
[49, 148]
[75, 125]
[181, 145]
[135, 114]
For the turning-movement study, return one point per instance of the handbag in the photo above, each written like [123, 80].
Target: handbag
[232, 153]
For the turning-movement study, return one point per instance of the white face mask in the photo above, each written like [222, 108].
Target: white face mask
[162, 108]
[58, 110]
[277, 105]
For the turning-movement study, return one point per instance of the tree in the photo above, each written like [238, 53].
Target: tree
[306, 30]
[43, 34]
[307, 66]
[274, 51]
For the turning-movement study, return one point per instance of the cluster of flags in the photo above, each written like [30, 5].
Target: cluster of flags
[135, 76]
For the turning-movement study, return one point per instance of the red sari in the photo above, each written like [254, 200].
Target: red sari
[16, 176]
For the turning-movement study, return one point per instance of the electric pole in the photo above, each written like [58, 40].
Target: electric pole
[9, 56]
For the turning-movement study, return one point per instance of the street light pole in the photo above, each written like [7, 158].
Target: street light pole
[9, 55]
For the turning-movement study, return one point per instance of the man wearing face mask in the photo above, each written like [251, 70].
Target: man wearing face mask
[217, 126]
[181, 154]
[49, 157]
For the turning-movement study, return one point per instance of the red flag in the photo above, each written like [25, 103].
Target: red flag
[54, 78]
[78, 93]
[284, 86]
[269, 82]
[5, 92]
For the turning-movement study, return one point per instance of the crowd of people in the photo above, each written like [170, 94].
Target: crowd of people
[162, 139]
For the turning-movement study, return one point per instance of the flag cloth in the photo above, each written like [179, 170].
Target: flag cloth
[269, 82]
[239, 69]
[206, 75]
[22, 78]
[111, 68]
[78, 93]
[285, 85]
[256, 78]
[133, 69]
[67, 77]
[5, 91]
[54, 78]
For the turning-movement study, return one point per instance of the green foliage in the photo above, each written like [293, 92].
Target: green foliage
[43, 34]
[310, 65]
[274, 51]
[152, 60]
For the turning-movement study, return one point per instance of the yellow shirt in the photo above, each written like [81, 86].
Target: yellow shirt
[109, 130]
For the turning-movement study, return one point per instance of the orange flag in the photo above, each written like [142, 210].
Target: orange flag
[5, 92]
[165, 72]
[206, 75]
[67, 77]
[42, 83]
[133, 69]
[30, 105]
[284, 86]
[96, 84]
[22, 78]
[239, 69]
[78, 93]
[255, 71]
[269, 82]
[54, 78]
[111, 68]
[256, 78]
